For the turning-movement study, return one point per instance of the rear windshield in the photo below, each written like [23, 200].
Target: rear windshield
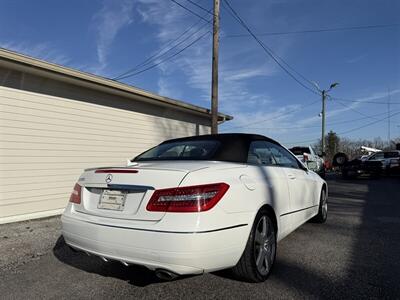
[183, 150]
[300, 150]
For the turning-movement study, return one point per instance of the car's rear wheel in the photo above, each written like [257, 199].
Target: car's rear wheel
[323, 208]
[258, 258]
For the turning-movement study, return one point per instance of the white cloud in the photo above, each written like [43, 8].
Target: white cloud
[165, 88]
[113, 16]
[43, 51]
[245, 73]
[349, 106]
[291, 124]
[194, 64]
[238, 67]
[260, 119]
[356, 58]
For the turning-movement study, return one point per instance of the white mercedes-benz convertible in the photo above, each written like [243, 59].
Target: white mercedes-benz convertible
[195, 205]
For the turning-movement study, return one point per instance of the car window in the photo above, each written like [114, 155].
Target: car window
[260, 154]
[270, 154]
[378, 155]
[300, 150]
[185, 150]
[283, 157]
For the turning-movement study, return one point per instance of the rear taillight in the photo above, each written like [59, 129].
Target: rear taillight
[76, 194]
[187, 199]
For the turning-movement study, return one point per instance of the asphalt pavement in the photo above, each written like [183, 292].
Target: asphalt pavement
[356, 254]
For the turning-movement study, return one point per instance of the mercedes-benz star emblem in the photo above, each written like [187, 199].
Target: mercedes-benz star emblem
[109, 178]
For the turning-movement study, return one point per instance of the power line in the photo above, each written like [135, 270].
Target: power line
[353, 109]
[369, 124]
[316, 30]
[268, 51]
[276, 117]
[166, 59]
[191, 11]
[163, 51]
[362, 101]
[300, 142]
[318, 126]
[351, 130]
[199, 6]
[160, 52]
[237, 18]
[235, 15]
[273, 55]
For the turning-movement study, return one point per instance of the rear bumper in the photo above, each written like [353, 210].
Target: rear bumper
[179, 252]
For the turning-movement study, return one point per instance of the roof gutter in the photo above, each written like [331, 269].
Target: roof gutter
[80, 78]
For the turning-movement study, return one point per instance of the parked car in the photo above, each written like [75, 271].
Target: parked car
[308, 156]
[394, 166]
[356, 167]
[387, 158]
[195, 205]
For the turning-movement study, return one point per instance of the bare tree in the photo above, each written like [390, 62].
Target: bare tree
[353, 147]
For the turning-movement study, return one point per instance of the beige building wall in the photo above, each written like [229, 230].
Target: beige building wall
[50, 131]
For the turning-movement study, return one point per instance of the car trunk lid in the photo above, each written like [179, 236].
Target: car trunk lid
[123, 192]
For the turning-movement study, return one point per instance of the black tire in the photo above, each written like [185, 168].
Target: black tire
[323, 208]
[340, 159]
[259, 248]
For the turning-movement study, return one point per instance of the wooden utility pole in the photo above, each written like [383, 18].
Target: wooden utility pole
[323, 122]
[214, 83]
[324, 94]
[388, 117]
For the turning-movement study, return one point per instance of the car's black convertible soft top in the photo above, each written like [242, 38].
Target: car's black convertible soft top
[233, 147]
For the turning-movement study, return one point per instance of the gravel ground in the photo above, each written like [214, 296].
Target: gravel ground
[23, 242]
[354, 255]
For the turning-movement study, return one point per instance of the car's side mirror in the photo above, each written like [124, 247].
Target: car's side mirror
[312, 165]
[322, 154]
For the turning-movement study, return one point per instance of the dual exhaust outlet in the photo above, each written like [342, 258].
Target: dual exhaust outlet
[162, 274]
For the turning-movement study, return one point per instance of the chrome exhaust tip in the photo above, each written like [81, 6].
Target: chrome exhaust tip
[166, 275]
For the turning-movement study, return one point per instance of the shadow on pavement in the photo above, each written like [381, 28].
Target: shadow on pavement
[375, 260]
[134, 275]
[355, 254]
[368, 211]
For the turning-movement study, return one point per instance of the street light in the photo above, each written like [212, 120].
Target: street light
[324, 94]
[333, 85]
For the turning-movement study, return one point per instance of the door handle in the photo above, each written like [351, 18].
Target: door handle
[291, 176]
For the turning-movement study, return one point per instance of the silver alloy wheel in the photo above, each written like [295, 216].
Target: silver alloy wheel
[324, 204]
[264, 245]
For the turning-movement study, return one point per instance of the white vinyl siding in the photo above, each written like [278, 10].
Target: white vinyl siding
[46, 142]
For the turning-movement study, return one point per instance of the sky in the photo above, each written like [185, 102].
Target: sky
[110, 37]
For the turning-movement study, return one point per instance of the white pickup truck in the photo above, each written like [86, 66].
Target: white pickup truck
[307, 155]
[389, 159]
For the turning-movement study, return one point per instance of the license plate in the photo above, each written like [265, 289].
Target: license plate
[112, 200]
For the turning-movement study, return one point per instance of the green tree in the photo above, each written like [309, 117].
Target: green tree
[332, 142]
